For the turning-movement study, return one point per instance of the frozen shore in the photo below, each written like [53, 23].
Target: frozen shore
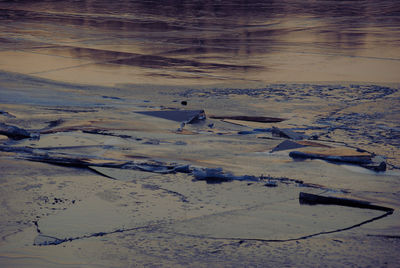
[99, 174]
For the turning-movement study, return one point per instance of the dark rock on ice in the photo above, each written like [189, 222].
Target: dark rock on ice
[313, 199]
[16, 133]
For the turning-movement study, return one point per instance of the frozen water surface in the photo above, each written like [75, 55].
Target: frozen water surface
[86, 75]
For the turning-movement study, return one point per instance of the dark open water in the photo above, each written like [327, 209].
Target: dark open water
[250, 40]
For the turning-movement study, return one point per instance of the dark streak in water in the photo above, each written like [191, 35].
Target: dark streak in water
[153, 61]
